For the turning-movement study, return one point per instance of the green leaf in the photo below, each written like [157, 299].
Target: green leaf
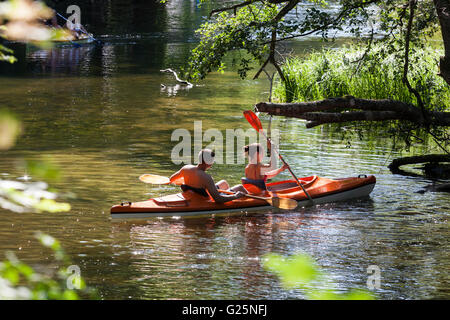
[11, 274]
[295, 271]
[43, 169]
[70, 295]
[10, 128]
[48, 241]
[52, 206]
[300, 271]
[358, 295]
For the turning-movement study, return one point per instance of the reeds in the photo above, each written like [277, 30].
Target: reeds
[372, 75]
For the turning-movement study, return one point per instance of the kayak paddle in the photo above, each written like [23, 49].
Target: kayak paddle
[84, 31]
[281, 203]
[154, 179]
[254, 121]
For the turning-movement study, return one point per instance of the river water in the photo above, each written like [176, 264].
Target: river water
[100, 113]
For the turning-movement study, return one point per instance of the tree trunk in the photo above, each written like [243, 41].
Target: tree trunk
[443, 12]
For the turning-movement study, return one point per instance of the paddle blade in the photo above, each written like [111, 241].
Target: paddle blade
[154, 179]
[283, 203]
[253, 119]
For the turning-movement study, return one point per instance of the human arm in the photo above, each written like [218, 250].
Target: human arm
[215, 194]
[271, 174]
[177, 177]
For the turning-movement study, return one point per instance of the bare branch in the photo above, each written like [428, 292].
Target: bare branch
[288, 7]
[261, 69]
[412, 6]
[233, 7]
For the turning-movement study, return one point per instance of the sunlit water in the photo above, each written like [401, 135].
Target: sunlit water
[100, 113]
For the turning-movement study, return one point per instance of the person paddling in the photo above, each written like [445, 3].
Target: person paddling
[197, 180]
[256, 172]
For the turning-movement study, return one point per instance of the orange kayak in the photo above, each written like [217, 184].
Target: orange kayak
[321, 190]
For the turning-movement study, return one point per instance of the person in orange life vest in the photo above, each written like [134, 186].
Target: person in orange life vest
[195, 178]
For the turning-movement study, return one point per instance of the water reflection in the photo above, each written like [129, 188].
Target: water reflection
[99, 113]
[60, 60]
[202, 253]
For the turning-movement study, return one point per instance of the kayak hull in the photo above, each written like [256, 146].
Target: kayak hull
[322, 190]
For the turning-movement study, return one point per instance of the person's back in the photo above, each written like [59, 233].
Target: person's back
[197, 180]
[193, 176]
[253, 171]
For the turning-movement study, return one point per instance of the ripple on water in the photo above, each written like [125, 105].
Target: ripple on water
[117, 126]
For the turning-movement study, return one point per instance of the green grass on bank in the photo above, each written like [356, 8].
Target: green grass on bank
[339, 72]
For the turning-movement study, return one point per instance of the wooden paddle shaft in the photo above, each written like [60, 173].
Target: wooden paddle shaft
[289, 168]
[245, 194]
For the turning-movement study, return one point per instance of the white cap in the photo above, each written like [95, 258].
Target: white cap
[206, 156]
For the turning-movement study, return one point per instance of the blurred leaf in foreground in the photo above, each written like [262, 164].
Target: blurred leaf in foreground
[19, 281]
[10, 128]
[301, 271]
[6, 53]
[44, 169]
[29, 197]
[293, 272]
[22, 20]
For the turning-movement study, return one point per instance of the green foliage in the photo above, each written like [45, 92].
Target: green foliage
[23, 23]
[50, 205]
[33, 196]
[300, 271]
[246, 31]
[25, 197]
[339, 72]
[242, 33]
[6, 54]
[21, 20]
[19, 281]
[9, 129]
[44, 169]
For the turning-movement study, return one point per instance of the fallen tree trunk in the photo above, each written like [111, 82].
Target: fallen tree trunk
[397, 163]
[444, 187]
[342, 110]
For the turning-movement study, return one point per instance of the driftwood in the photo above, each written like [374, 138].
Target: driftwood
[434, 168]
[429, 158]
[441, 187]
[185, 82]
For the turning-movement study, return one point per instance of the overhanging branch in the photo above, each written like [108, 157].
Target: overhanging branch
[338, 110]
[233, 7]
